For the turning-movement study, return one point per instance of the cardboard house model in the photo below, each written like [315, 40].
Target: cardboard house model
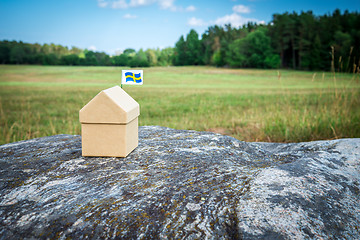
[109, 124]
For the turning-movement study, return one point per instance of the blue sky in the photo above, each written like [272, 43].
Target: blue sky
[114, 25]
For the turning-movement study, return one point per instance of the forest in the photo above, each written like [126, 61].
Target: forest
[291, 40]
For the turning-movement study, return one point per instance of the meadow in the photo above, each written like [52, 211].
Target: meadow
[248, 104]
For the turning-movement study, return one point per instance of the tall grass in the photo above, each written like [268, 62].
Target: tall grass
[251, 105]
[35, 114]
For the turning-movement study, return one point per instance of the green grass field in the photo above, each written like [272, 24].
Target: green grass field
[251, 105]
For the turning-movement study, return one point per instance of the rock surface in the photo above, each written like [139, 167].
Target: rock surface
[181, 185]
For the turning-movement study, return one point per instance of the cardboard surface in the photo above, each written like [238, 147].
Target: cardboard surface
[109, 140]
[112, 105]
[109, 124]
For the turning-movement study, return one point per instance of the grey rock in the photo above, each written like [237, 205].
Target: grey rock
[181, 184]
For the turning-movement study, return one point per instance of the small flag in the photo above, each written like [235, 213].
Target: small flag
[132, 77]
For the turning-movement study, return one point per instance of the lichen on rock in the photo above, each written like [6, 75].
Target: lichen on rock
[181, 184]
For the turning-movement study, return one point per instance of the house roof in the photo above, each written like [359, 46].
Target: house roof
[112, 105]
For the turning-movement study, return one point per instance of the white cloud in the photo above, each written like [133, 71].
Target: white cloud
[241, 9]
[102, 3]
[121, 4]
[92, 48]
[125, 4]
[235, 20]
[196, 22]
[129, 16]
[190, 8]
[167, 4]
[139, 3]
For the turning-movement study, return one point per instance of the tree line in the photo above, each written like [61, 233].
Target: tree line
[13, 52]
[291, 40]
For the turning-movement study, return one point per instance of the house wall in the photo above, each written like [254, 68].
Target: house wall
[109, 140]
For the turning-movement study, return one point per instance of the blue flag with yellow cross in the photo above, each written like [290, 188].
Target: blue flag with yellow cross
[132, 77]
